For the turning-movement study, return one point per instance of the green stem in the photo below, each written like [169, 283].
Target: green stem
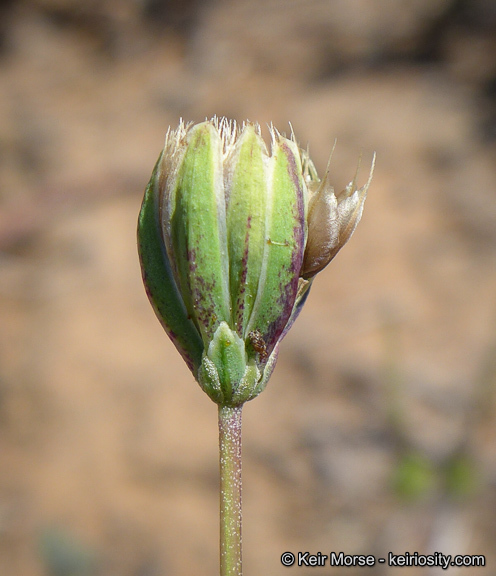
[230, 490]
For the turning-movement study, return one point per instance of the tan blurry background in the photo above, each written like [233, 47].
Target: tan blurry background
[377, 430]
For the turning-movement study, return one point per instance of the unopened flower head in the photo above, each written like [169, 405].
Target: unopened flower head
[230, 237]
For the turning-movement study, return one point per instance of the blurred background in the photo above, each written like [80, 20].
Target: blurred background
[377, 430]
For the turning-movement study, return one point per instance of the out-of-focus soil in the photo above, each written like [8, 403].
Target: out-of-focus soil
[377, 430]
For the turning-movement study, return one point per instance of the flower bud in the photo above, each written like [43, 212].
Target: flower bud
[229, 239]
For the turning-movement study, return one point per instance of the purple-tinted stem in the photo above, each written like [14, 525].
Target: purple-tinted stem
[230, 490]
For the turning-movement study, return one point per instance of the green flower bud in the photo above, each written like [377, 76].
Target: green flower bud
[229, 239]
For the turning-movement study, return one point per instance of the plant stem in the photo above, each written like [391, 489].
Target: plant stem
[230, 490]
